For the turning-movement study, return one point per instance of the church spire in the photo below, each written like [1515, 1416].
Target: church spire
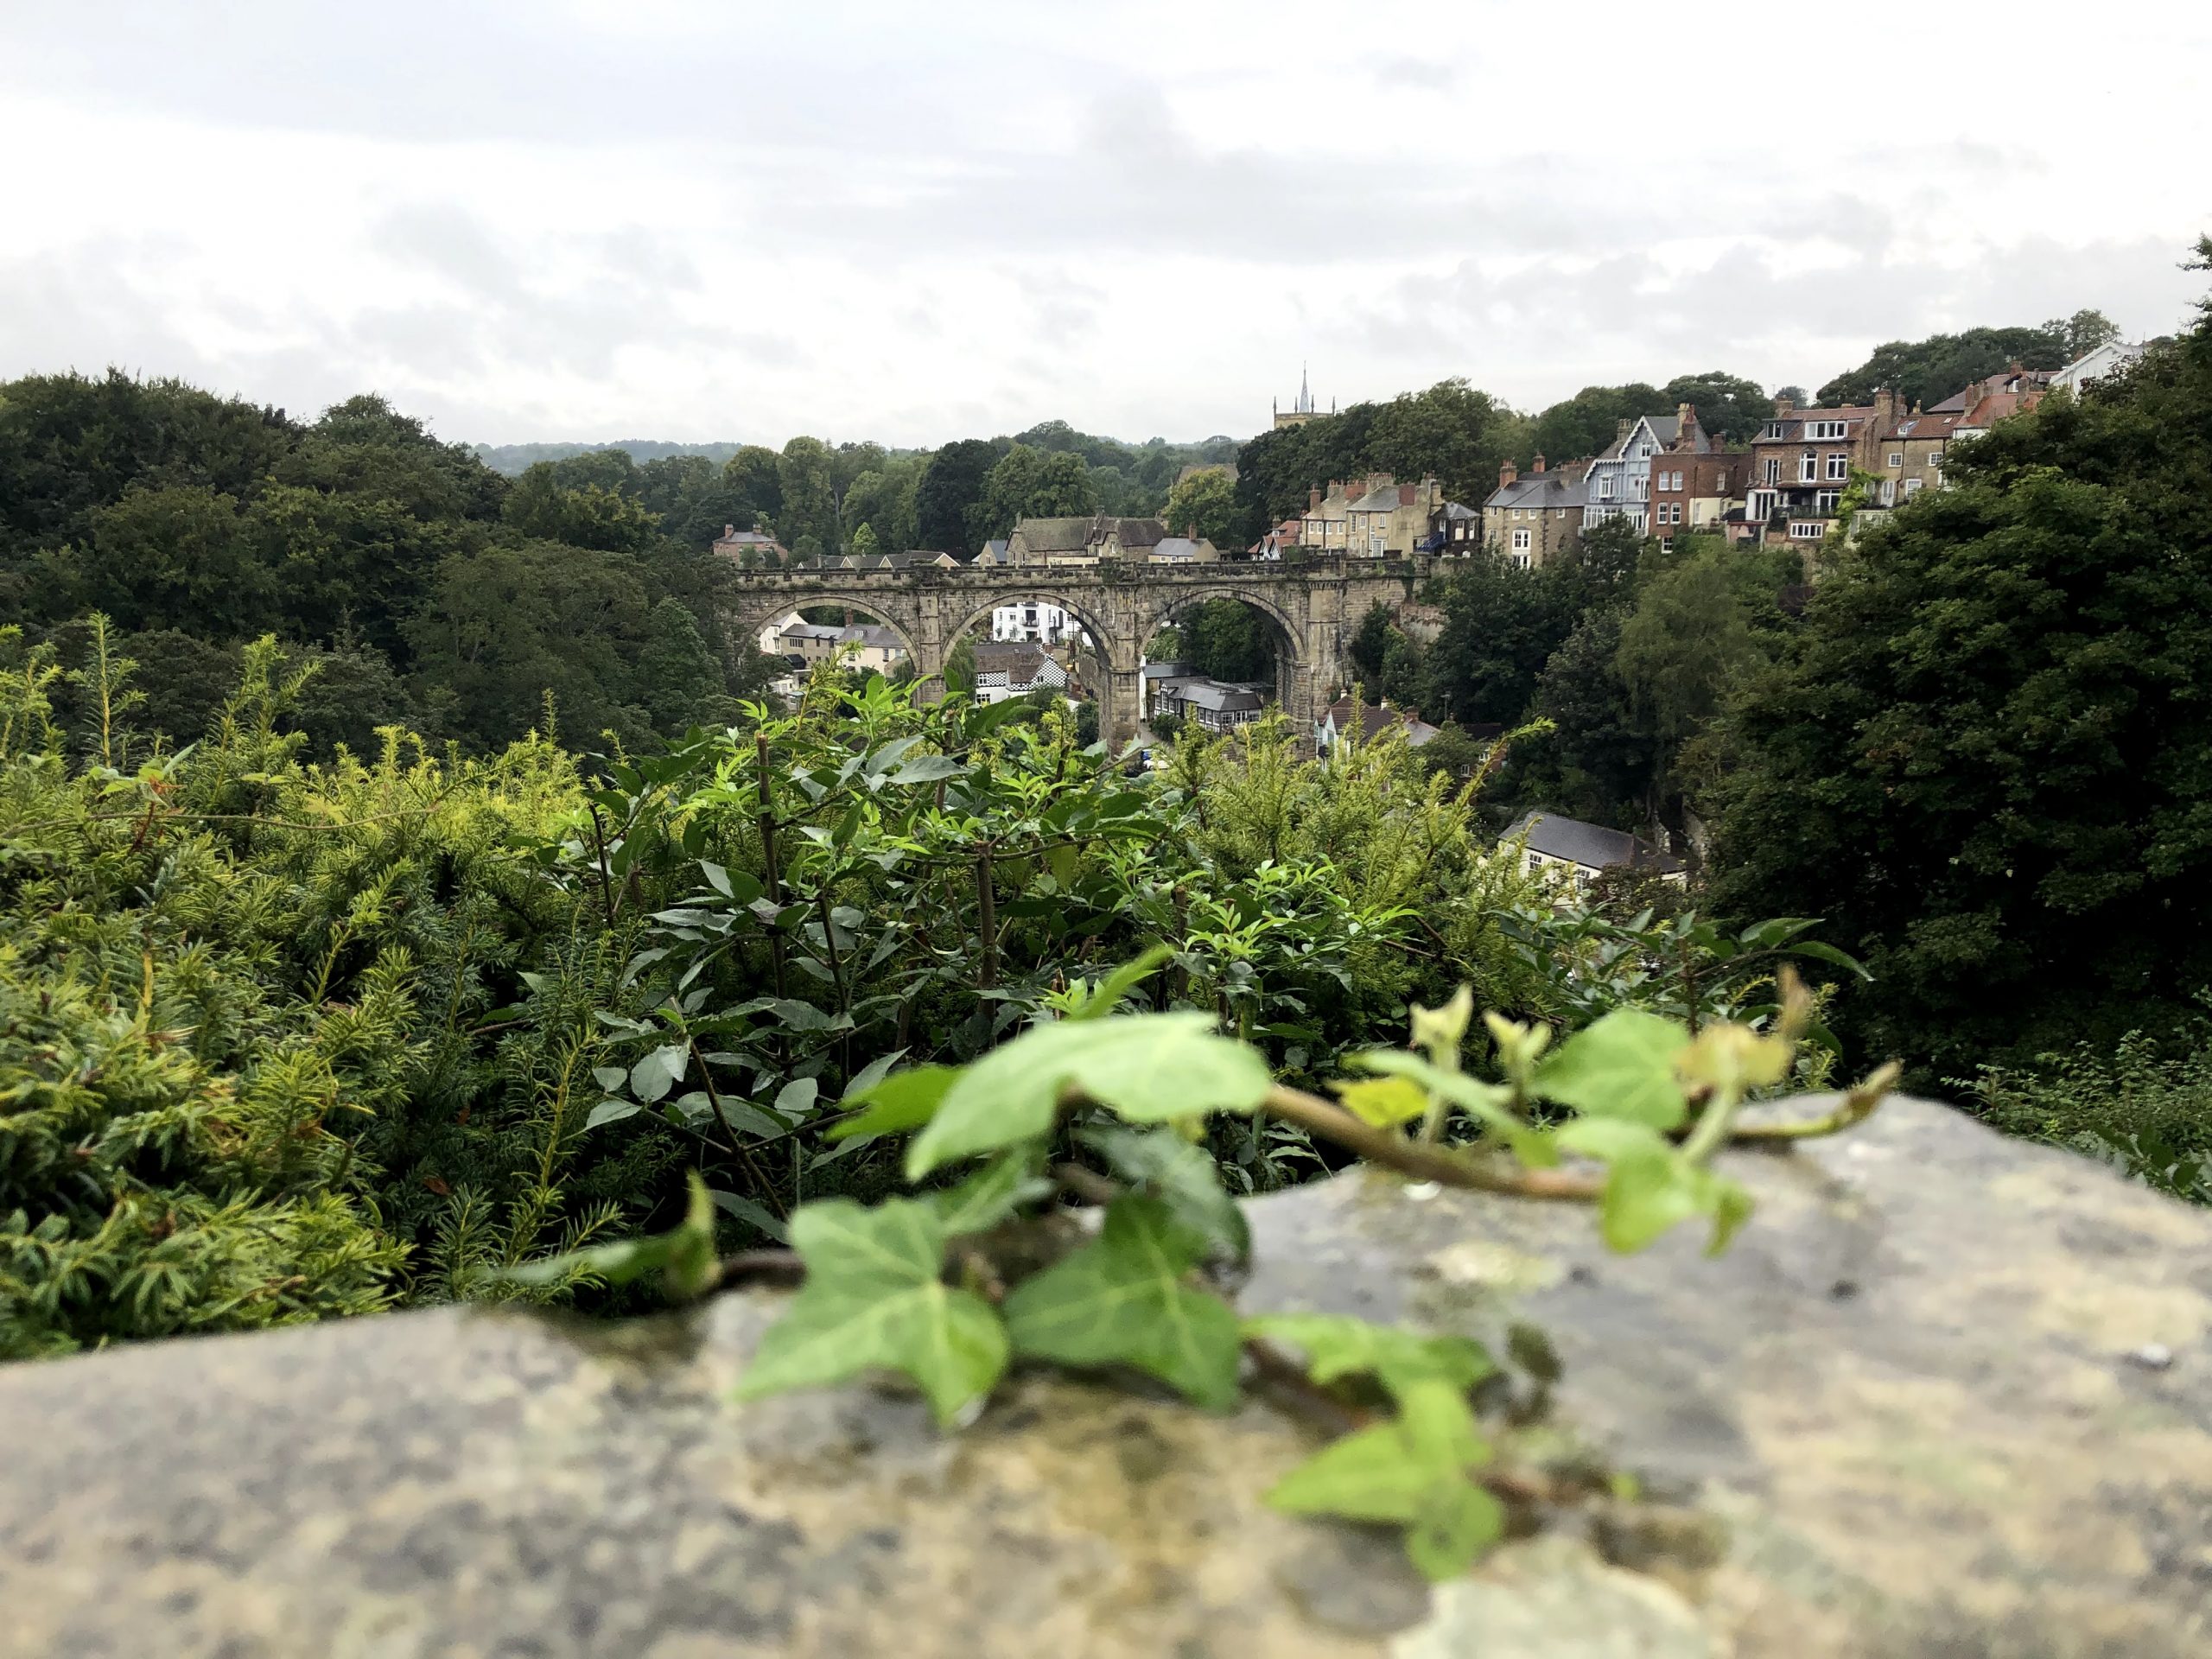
[1305, 397]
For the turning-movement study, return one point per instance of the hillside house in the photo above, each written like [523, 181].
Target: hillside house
[1533, 520]
[1585, 851]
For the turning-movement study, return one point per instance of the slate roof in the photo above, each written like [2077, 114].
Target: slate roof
[1168, 671]
[1175, 547]
[1664, 427]
[1923, 426]
[1056, 535]
[1219, 698]
[872, 635]
[1135, 532]
[1593, 846]
[994, 552]
[811, 630]
[1454, 510]
[1543, 490]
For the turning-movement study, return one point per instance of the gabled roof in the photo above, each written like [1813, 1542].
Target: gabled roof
[1456, 510]
[872, 635]
[1923, 426]
[1219, 698]
[1133, 532]
[1176, 546]
[1663, 430]
[1055, 535]
[1590, 845]
[1542, 490]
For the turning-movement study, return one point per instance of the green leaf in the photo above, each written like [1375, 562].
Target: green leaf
[611, 1111]
[1383, 1103]
[871, 1074]
[1107, 992]
[685, 1255]
[1650, 1186]
[1486, 1101]
[1622, 1067]
[756, 1216]
[990, 1195]
[1828, 953]
[613, 1079]
[1413, 1472]
[651, 1078]
[905, 1100]
[1121, 1301]
[1146, 1068]
[717, 877]
[927, 769]
[795, 1098]
[1183, 1177]
[1339, 1346]
[874, 1299]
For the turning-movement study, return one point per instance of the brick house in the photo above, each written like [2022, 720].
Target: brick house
[1533, 520]
[1694, 483]
[1802, 463]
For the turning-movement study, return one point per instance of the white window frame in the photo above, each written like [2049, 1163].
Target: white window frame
[1807, 530]
[1774, 469]
[1809, 467]
[1896, 458]
[1826, 500]
[1912, 486]
[1521, 541]
[1839, 466]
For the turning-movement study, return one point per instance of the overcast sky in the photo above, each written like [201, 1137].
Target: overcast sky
[669, 219]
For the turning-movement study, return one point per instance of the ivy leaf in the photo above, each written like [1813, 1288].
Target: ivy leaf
[1183, 1177]
[1336, 1346]
[989, 1195]
[1621, 1066]
[1146, 1068]
[1413, 1472]
[1382, 1102]
[1485, 1101]
[874, 1299]
[905, 1100]
[1650, 1186]
[1121, 1301]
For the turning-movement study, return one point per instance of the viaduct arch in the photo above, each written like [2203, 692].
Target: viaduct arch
[1315, 604]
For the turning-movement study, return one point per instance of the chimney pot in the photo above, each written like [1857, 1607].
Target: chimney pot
[1312, 497]
[1538, 464]
[1508, 474]
[729, 530]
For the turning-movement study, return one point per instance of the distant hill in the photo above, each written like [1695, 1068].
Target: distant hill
[512, 458]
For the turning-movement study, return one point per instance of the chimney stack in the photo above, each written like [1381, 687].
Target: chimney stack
[729, 530]
[1509, 472]
[1537, 465]
[1620, 429]
[1784, 406]
[1312, 497]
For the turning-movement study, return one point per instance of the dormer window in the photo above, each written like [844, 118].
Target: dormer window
[1774, 430]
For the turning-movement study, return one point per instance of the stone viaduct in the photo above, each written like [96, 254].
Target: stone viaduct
[1314, 605]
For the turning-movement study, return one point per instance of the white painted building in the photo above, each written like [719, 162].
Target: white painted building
[1031, 619]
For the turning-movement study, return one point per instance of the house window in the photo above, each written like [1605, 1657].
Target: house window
[1807, 530]
[1721, 484]
[1912, 486]
[1935, 459]
[1774, 470]
[1773, 429]
[1761, 506]
[1521, 560]
[1826, 500]
[1896, 458]
[1838, 466]
[1606, 487]
[1825, 429]
[1806, 464]
[1520, 541]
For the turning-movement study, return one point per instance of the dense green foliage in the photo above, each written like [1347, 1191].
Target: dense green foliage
[1990, 757]
[1923, 372]
[432, 591]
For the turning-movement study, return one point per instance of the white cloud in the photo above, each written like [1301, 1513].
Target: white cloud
[676, 218]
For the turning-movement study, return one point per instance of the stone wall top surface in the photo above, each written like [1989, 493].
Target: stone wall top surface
[1946, 1395]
